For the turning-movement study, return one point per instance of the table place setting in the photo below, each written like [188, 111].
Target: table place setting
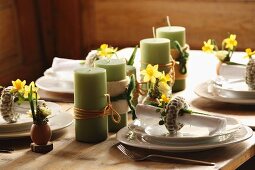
[16, 119]
[198, 131]
[235, 76]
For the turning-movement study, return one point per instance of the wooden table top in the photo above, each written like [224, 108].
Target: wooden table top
[70, 154]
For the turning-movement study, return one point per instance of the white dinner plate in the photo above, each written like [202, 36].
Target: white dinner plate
[202, 91]
[25, 121]
[52, 84]
[57, 121]
[137, 140]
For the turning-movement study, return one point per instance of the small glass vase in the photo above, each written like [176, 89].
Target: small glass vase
[148, 100]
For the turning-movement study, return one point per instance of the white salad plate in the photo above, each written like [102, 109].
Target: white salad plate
[57, 121]
[207, 91]
[190, 134]
[153, 132]
[234, 89]
[125, 136]
[55, 85]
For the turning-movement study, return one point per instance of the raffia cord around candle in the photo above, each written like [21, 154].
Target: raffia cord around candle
[89, 114]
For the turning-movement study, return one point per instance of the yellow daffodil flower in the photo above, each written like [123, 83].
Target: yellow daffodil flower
[249, 53]
[18, 85]
[208, 46]
[164, 78]
[164, 88]
[230, 42]
[151, 73]
[164, 98]
[34, 90]
[106, 51]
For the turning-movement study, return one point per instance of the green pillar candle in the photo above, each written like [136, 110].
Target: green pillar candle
[115, 68]
[116, 71]
[173, 33]
[89, 94]
[154, 51]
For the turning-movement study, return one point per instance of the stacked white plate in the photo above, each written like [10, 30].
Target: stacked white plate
[149, 135]
[57, 121]
[226, 90]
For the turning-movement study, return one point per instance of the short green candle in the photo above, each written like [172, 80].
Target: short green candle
[115, 68]
[116, 71]
[89, 94]
[155, 51]
[173, 33]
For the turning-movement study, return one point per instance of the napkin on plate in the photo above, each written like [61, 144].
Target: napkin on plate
[62, 68]
[213, 123]
[232, 71]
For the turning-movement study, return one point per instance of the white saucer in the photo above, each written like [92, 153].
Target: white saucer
[240, 135]
[202, 91]
[52, 84]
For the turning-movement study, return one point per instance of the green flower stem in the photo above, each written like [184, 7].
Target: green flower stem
[182, 58]
[127, 96]
[233, 63]
[182, 111]
[132, 58]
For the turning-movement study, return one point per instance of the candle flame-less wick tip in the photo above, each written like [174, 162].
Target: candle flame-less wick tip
[168, 21]
[153, 31]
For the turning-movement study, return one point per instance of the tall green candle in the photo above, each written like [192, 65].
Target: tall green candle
[173, 33]
[116, 71]
[89, 95]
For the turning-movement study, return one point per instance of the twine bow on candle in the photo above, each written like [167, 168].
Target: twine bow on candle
[114, 114]
[89, 114]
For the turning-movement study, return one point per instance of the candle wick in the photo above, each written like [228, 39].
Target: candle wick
[168, 21]
[153, 31]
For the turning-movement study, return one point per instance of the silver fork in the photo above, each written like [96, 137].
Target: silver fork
[138, 157]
